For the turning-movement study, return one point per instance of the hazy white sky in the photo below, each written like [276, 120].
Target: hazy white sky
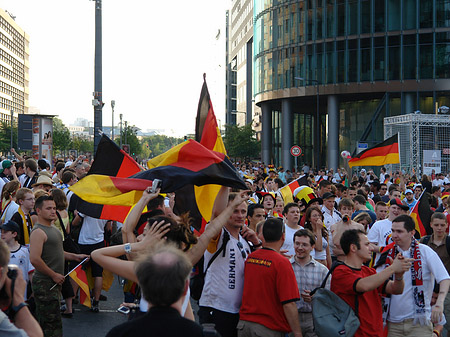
[154, 55]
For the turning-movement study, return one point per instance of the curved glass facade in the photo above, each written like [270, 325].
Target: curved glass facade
[338, 41]
[357, 50]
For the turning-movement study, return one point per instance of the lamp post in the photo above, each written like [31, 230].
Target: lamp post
[113, 104]
[120, 130]
[235, 112]
[317, 124]
[126, 126]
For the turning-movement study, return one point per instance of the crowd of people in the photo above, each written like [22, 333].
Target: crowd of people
[253, 269]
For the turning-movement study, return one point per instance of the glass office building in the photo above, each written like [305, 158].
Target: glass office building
[326, 72]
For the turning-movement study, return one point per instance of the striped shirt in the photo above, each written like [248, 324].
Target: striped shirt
[309, 277]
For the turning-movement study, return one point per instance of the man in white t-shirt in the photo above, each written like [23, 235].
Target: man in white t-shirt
[330, 214]
[410, 312]
[224, 280]
[380, 232]
[291, 213]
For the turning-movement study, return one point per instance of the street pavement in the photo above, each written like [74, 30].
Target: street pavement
[86, 323]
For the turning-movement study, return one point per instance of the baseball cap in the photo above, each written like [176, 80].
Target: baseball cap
[398, 202]
[445, 195]
[11, 226]
[408, 191]
[5, 164]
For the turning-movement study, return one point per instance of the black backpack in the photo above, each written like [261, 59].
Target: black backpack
[198, 275]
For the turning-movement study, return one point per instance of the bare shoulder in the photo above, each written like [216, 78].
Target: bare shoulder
[38, 235]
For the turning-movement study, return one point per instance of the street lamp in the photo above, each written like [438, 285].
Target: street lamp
[443, 109]
[113, 104]
[235, 112]
[12, 118]
[126, 131]
[317, 124]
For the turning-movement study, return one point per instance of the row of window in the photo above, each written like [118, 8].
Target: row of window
[12, 61]
[17, 37]
[16, 48]
[385, 58]
[16, 94]
[289, 22]
[16, 77]
[8, 105]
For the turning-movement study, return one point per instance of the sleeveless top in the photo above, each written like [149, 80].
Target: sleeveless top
[52, 250]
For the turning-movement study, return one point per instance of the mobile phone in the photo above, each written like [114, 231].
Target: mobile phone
[155, 185]
[123, 310]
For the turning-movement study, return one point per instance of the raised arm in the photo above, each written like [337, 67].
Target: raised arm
[214, 228]
[221, 201]
[133, 217]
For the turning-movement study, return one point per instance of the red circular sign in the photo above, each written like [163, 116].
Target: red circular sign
[296, 150]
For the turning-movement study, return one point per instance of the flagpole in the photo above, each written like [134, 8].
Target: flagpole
[399, 155]
[71, 271]
[410, 212]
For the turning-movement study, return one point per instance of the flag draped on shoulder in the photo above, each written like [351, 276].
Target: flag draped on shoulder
[288, 190]
[79, 276]
[421, 213]
[381, 154]
[110, 162]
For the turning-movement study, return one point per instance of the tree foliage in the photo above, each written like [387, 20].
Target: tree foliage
[241, 142]
[5, 137]
[61, 136]
[158, 144]
[129, 136]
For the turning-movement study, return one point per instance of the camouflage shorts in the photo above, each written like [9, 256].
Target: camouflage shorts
[48, 311]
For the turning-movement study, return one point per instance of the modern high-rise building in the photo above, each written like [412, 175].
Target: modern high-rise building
[240, 108]
[326, 72]
[14, 68]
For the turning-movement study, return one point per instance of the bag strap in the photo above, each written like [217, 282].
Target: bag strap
[225, 239]
[426, 239]
[447, 244]
[62, 225]
[324, 282]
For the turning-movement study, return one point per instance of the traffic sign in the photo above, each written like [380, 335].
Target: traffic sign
[296, 150]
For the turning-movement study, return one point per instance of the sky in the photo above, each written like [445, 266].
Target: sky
[154, 57]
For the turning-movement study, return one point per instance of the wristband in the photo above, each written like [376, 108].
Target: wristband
[127, 248]
[258, 245]
[436, 332]
[18, 307]
[399, 279]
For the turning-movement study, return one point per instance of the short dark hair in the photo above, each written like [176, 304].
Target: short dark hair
[31, 164]
[360, 199]
[306, 233]
[346, 202]
[408, 222]
[273, 229]
[41, 199]
[438, 215]
[289, 206]
[324, 183]
[351, 237]
[279, 182]
[434, 189]
[67, 176]
[155, 202]
[251, 209]
[42, 164]
[162, 275]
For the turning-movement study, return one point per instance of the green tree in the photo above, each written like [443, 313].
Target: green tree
[158, 144]
[82, 145]
[129, 136]
[61, 136]
[241, 142]
[5, 137]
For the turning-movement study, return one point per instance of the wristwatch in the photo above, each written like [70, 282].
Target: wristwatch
[127, 248]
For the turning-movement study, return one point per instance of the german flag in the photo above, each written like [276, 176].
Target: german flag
[187, 163]
[421, 213]
[80, 278]
[288, 190]
[111, 161]
[379, 155]
[199, 200]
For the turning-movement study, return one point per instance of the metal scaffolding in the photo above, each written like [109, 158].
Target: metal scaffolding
[419, 132]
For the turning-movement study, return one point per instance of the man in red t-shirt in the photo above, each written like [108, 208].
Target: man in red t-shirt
[270, 289]
[353, 281]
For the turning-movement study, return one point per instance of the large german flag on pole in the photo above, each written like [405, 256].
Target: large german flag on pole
[381, 154]
[187, 163]
[199, 200]
[421, 213]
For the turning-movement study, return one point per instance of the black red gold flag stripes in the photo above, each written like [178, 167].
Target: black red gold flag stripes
[421, 213]
[288, 190]
[381, 154]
